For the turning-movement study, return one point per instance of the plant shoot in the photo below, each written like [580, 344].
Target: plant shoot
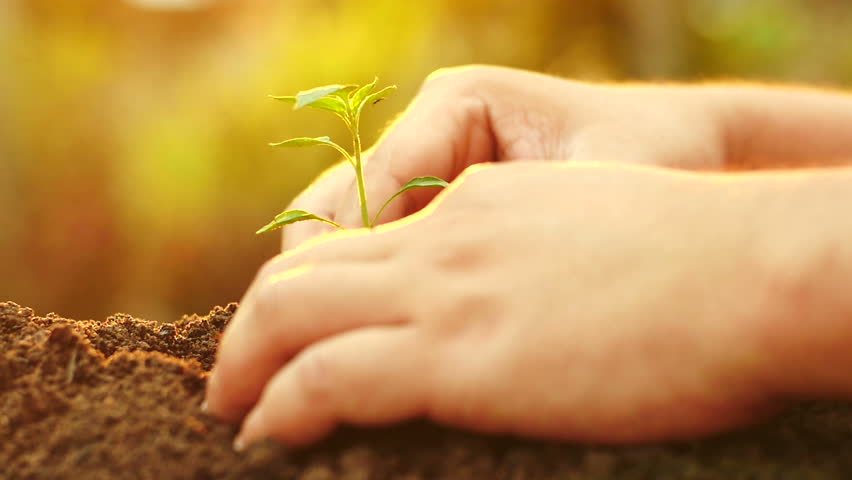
[347, 102]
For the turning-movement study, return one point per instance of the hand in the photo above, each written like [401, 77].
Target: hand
[570, 301]
[482, 114]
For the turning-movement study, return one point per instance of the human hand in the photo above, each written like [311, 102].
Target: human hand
[597, 303]
[480, 114]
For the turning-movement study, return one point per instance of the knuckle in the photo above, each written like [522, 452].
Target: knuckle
[473, 319]
[283, 289]
[465, 308]
[462, 80]
[462, 257]
[268, 268]
[316, 376]
[271, 297]
[266, 302]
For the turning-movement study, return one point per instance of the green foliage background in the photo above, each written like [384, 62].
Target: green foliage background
[134, 166]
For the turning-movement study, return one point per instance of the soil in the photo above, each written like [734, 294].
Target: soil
[120, 399]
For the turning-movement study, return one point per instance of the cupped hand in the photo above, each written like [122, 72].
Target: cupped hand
[571, 301]
[471, 115]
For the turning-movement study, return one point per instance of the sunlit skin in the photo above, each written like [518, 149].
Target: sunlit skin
[571, 289]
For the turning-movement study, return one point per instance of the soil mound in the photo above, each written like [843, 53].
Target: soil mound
[120, 399]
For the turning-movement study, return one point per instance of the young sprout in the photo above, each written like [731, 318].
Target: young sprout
[347, 102]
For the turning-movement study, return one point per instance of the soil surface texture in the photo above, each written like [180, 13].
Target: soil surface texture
[120, 399]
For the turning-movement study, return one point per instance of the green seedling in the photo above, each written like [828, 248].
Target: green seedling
[347, 102]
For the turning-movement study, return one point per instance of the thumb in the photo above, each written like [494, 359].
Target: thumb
[444, 131]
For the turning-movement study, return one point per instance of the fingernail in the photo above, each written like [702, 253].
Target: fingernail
[205, 407]
[248, 432]
[239, 444]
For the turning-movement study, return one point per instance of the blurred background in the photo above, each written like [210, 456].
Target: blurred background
[134, 166]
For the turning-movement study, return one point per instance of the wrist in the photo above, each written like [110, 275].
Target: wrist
[783, 127]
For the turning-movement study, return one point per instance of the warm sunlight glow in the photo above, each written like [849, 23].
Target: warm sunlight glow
[290, 273]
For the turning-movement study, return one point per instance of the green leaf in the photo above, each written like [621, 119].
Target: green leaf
[375, 97]
[332, 104]
[308, 97]
[345, 91]
[309, 142]
[303, 142]
[293, 216]
[357, 97]
[419, 182]
[380, 95]
[284, 98]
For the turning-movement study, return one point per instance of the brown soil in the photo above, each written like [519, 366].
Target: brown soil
[120, 399]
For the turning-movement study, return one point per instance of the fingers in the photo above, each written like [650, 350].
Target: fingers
[365, 377]
[290, 309]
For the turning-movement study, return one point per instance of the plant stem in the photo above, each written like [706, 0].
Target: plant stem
[359, 174]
